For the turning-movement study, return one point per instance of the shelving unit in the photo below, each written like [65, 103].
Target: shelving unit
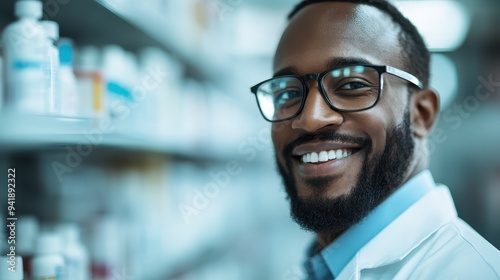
[168, 34]
[130, 24]
[32, 143]
[37, 133]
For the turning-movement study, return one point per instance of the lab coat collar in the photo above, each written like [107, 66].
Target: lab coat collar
[405, 233]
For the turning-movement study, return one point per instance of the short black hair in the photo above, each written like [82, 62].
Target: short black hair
[415, 54]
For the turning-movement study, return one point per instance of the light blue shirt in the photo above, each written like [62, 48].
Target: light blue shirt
[332, 259]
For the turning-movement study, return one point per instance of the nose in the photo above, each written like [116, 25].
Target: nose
[316, 113]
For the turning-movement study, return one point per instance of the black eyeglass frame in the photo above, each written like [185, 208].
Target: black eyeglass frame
[381, 69]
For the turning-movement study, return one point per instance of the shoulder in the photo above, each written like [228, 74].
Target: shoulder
[427, 241]
[456, 251]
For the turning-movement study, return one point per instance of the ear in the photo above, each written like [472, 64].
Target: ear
[424, 111]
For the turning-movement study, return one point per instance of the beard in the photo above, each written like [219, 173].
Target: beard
[379, 177]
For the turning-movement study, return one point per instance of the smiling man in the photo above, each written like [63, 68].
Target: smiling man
[351, 110]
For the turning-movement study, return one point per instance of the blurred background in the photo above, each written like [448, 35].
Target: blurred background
[140, 151]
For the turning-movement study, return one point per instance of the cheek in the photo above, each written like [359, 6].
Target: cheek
[277, 133]
[280, 127]
[376, 125]
[394, 99]
[280, 134]
[384, 117]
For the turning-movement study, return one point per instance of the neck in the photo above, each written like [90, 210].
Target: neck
[326, 238]
[419, 163]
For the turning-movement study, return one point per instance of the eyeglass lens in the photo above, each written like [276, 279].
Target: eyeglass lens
[347, 88]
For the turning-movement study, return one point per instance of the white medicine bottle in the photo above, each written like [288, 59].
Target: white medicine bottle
[70, 99]
[76, 256]
[48, 262]
[51, 68]
[23, 51]
[11, 268]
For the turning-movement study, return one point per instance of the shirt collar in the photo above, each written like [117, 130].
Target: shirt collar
[335, 256]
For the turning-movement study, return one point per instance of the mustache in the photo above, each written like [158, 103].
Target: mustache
[327, 136]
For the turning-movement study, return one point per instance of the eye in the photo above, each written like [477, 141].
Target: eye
[352, 86]
[288, 96]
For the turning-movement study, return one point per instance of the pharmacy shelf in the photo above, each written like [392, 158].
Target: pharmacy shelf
[24, 133]
[130, 24]
[157, 26]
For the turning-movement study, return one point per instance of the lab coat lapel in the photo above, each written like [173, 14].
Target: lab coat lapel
[405, 233]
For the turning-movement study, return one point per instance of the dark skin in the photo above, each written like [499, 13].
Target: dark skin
[335, 30]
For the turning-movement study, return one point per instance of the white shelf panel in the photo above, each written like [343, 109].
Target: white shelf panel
[39, 133]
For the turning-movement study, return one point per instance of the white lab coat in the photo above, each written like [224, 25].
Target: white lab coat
[427, 241]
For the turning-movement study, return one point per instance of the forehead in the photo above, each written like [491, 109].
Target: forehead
[323, 31]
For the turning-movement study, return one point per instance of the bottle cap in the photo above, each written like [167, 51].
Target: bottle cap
[48, 243]
[29, 8]
[65, 51]
[88, 58]
[27, 231]
[51, 29]
[113, 61]
[70, 233]
[10, 272]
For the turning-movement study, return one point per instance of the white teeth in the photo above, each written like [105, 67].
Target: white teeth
[323, 156]
[331, 154]
[314, 157]
[338, 153]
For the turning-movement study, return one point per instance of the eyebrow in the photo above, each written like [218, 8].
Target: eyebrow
[290, 70]
[346, 61]
[332, 63]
